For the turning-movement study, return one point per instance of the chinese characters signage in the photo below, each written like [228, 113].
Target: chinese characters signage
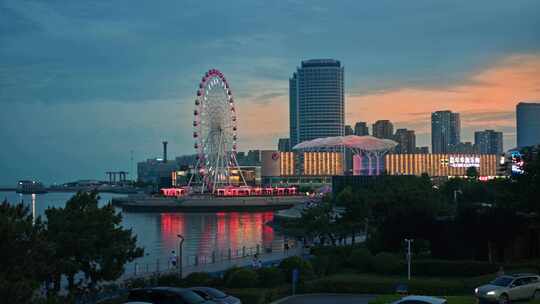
[464, 161]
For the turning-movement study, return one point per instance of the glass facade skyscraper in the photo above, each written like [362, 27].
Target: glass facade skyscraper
[293, 111]
[445, 131]
[406, 140]
[383, 129]
[528, 124]
[361, 129]
[488, 142]
[317, 100]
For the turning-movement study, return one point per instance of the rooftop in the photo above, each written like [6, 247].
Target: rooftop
[320, 63]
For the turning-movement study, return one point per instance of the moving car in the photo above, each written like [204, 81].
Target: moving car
[508, 288]
[166, 295]
[215, 295]
[420, 300]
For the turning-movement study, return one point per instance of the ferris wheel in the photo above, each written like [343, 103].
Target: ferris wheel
[215, 133]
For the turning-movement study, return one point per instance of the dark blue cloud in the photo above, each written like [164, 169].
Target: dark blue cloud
[94, 53]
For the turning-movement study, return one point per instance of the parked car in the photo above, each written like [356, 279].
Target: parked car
[166, 295]
[420, 300]
[508, 288]
[215, 295]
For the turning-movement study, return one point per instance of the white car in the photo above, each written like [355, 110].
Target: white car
[508, 288]
[420, 300]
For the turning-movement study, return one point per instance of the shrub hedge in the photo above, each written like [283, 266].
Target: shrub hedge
[352, 283]
[452, 268]
[198, 279]
[361, 260]
[387, 263]
[326, 265]
[287, 265]
[242, 278]
[270, 277]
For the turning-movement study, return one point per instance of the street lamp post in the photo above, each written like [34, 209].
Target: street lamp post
[180, 255]
[409, 257]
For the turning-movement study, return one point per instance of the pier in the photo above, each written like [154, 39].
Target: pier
[144, 203]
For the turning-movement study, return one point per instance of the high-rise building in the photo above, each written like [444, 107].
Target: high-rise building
[317, 102]
[488, 142]
[528, 124]
[406, 140]
[422, 150]
[293, 111]
[348, 153]
[464, 148]
[445, 131]
[361, 129]
[348, 130]
[383, 129]
[284, 145]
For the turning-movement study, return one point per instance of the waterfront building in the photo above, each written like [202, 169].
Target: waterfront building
[422, 150]
[488, 142]
[275, 163]
[440, 165]
[30, 186]
[445, 131]
[406, 140]
[284, 145]
[361, 129]
[383, 129]
[528, 124]
[323, 163]
[316, 100]
[252, 158]
[156, 171]
[463, 148]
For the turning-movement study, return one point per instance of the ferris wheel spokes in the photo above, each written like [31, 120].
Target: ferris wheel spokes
[215, 133]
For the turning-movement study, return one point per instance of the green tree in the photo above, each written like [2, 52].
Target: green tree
[320, 221]
[88, 239]
[401, 207]
[472, 172]
[23, 254]
[357, 210]
[528, 183]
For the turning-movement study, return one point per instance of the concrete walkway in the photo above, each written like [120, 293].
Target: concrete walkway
[327, 298]
[267, 259]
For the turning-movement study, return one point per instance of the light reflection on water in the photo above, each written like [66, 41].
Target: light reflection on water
[205, 234]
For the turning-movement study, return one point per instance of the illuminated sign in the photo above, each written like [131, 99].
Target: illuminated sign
[464, 161]
[517, 162]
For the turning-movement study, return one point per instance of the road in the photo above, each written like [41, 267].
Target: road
[327, 298]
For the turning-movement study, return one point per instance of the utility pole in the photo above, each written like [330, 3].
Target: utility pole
[409, 257]
[179, 263]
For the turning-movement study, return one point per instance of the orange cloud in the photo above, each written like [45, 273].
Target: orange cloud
[490, 93]
[487, 99]
[260, 125]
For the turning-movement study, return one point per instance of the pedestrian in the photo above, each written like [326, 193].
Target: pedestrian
[286, 246]
[259, 263]
[173, 259]
[254, 262]
[500, 272]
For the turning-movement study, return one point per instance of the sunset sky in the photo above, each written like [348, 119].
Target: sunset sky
[84, 82]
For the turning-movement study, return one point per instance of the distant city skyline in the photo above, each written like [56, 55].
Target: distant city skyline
[78, 91]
